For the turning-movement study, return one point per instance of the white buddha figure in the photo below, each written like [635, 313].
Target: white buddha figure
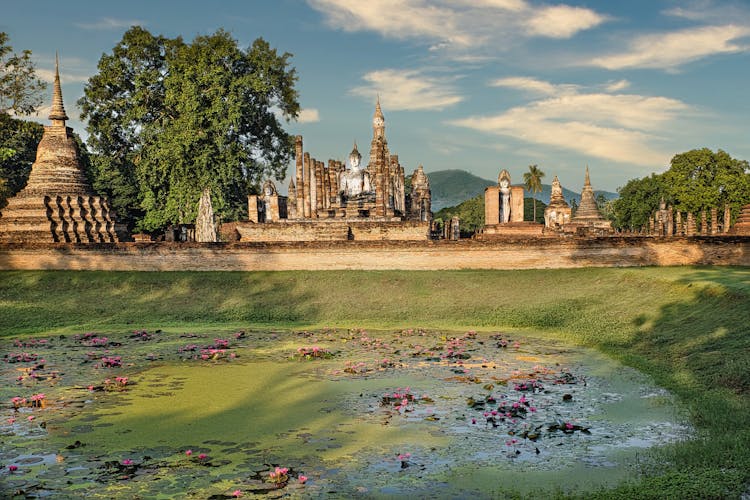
[504, 182]
[354, 182]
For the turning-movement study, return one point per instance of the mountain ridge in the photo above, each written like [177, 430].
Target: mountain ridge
[453, 186]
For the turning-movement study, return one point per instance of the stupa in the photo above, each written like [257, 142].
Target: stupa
[558, 211]
[742, 226]
[58, 204]
[587, 214]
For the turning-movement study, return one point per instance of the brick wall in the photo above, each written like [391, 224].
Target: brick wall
[499, 254]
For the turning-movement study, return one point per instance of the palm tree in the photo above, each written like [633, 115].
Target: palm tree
[533, 182]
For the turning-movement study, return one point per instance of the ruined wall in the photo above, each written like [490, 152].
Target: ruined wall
[507, 254]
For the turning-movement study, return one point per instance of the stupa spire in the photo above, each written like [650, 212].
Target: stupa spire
[57, 113]
[587, 181]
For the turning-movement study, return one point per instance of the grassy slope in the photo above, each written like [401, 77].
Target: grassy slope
[688, 327]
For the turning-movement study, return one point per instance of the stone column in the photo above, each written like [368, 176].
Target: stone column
[651, 226]
[252, 208]
[727, 218]
[714, 221]
[300, 193]
[670, 221]
[306, 186]
[690, 229]
[704, 223]
[680, 229]
[491, 205]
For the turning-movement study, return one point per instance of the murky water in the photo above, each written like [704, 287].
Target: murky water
[440, 414]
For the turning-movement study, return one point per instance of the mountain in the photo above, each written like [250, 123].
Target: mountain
[451, 187]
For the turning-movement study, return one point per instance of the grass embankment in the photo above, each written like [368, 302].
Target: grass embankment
[687, 327]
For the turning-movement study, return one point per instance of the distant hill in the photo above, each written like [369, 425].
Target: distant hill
[451, 187]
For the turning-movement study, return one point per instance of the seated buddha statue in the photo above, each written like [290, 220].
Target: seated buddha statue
[354, 182]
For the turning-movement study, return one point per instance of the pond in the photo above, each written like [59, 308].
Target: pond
[312, 413]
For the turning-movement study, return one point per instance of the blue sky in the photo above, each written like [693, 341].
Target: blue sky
[479, 85]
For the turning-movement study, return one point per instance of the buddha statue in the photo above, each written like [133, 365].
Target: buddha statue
[354, 182]
[503, 181]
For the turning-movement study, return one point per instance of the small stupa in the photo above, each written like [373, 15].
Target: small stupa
[558, 211]
[588, 212]
[58, 204]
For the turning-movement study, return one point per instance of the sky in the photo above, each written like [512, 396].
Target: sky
[478, 85]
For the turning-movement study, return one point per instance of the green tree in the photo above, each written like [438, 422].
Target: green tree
[470, 212]
[168, 118]
[18, 142]
[530, 212]
[638, 200]
[701, 179]
[533, 182]
[20, 89]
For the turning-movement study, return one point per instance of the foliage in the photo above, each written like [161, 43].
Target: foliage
[696, 180]
[530, 213]
[701, 179]
[169, 118]
[18, 143]
[20, 89]
[470, 212]
[533, 182]
[638, 200]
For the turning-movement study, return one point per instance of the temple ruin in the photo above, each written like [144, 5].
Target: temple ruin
[335, 201]
[503, 211]
[588, 219]
[58, 204]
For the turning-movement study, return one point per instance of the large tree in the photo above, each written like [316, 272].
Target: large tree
[21, 92]
[18, 142]
[697, 180]
[701, 179]
[168, 119]
[533, 182]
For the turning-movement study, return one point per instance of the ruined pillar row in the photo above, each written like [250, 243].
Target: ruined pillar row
[318, 187]
[306, 185]
[300, 201]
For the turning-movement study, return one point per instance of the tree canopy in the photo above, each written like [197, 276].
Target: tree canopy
[697, 180]
[21, 92]
[168, 119]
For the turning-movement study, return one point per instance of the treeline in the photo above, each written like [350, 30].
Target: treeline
[696, 180]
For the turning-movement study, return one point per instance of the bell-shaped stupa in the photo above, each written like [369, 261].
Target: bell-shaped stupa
[57, 204]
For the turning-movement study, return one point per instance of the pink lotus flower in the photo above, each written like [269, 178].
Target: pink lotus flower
[188, 452]
[127, 461]
[13, 468]
[237, 493]
[568, 425]
[202, 456]
[30, 418]
[302, 479]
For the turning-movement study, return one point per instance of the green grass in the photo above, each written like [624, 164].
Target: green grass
[688, 327]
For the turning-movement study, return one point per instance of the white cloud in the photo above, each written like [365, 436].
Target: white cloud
[532, 85]
[109, 23]
[619, 128]
[48, 75]
[408, 90]
[617, 86]
[562, 21]
[308, 115]
[458, 25]
[671, 50]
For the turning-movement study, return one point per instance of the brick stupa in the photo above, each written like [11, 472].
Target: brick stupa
[587, 213]
[58, 203]
[742, 226]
